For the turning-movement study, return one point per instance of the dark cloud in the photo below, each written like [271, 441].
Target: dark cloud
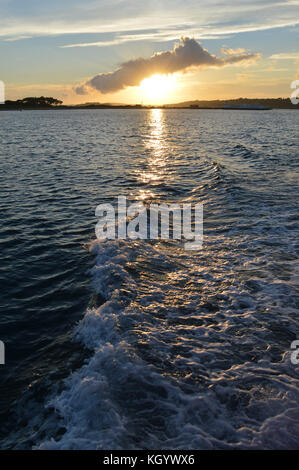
[186, 54]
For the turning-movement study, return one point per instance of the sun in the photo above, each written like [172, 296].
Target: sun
[156, 88]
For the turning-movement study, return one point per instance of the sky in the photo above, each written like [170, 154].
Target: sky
[101, 50]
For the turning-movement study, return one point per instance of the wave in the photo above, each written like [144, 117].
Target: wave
[174, 368]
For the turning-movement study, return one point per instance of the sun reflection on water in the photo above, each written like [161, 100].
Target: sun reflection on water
[155, 155]
[155, 146]
[155, 141]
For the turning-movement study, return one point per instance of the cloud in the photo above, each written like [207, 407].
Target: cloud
[209, 17]
[285, 56]
[239, 50]
[17, 38]
[81, 90]
[153, 36]
[186, 54]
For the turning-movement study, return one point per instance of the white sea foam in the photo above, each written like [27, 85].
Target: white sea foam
[180, 358]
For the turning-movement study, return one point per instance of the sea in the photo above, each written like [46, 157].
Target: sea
[141, 344]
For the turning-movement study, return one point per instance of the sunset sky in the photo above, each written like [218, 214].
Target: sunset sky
[56, 48]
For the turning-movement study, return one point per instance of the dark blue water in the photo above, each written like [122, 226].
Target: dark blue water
[169, 349]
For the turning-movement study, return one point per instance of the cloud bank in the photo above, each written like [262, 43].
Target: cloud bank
[186, 54]
[169, 18]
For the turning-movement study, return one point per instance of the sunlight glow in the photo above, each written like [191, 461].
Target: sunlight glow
[156, 162]
[156, 88]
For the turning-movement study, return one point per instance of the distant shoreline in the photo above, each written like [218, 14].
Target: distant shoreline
[243, 104]
[76, 108]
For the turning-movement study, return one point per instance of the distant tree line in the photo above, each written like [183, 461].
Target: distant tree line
[34, 102]
[49, 102]
[282, 103]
